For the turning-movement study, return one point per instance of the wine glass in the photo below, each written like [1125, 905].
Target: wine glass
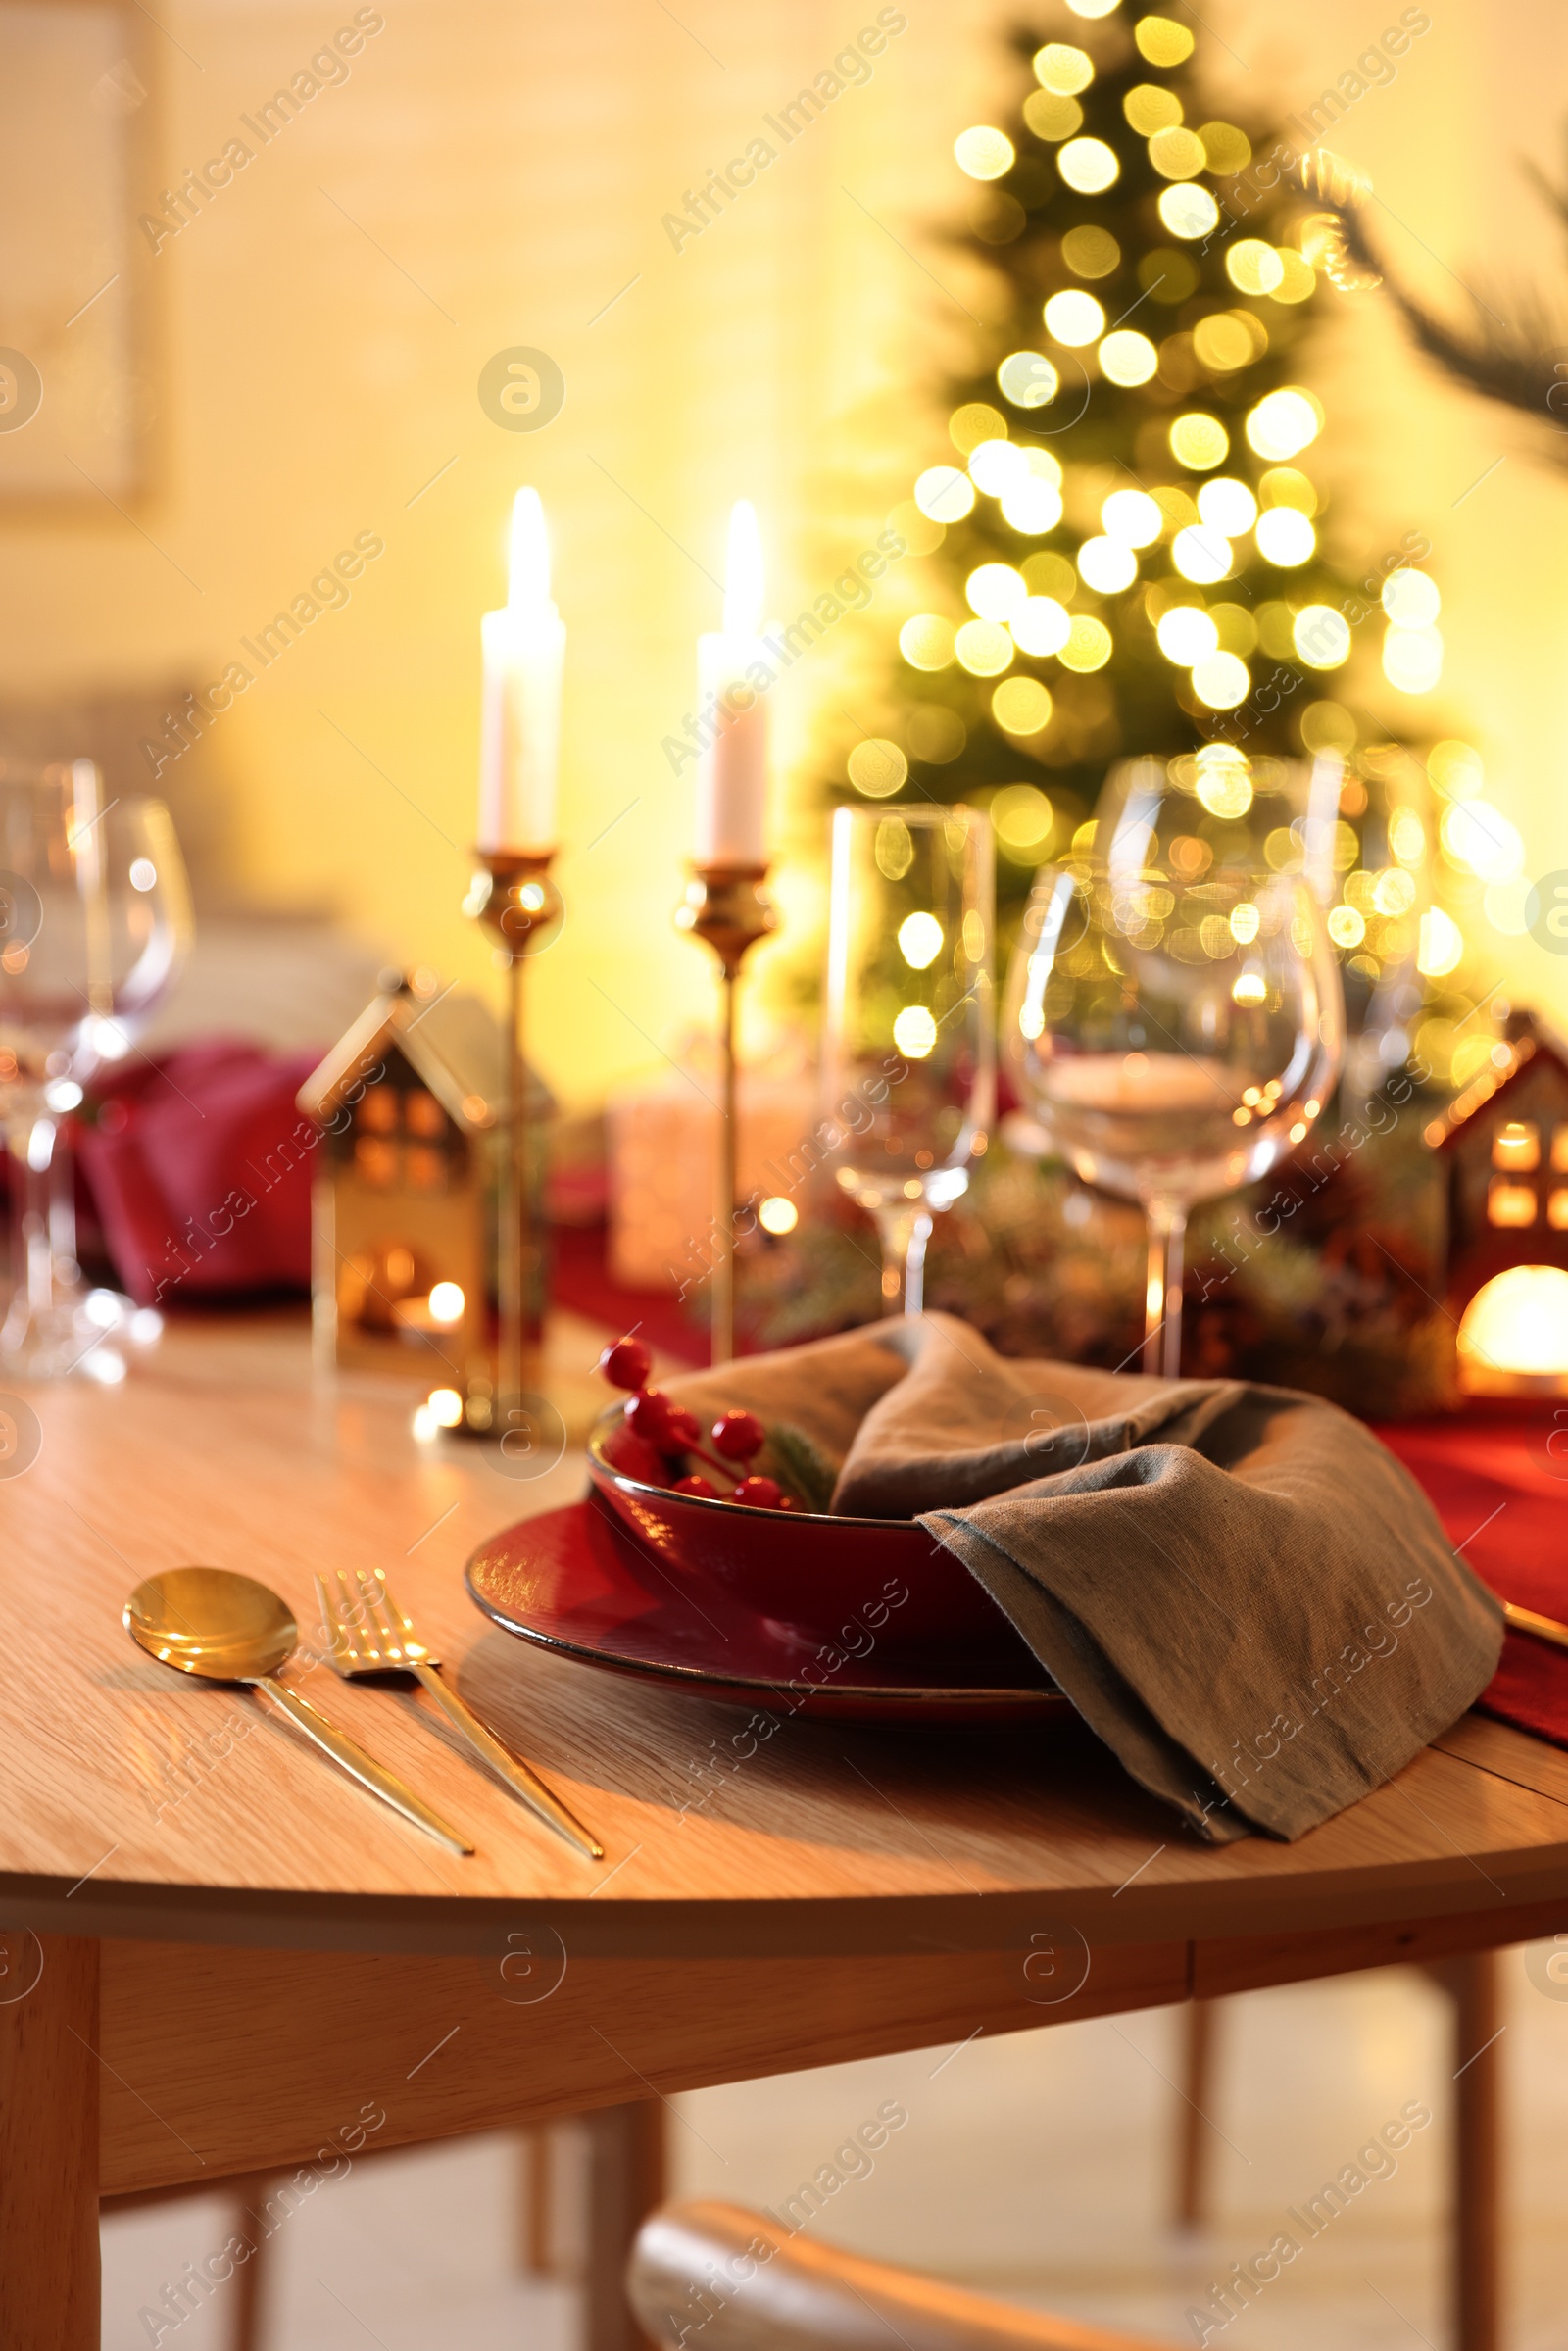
[1358, 825]
[94, 928]
[908, 1053]
[1174, 1021]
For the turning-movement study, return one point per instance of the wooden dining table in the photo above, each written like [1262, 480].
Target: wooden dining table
[220, 1957]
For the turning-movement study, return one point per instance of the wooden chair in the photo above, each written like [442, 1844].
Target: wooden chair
[722, 2278]
[625, 2179]
[1475, 2200]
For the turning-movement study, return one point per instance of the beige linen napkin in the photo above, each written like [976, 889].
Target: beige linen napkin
[1243, 1592]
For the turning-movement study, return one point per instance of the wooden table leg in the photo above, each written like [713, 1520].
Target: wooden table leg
[1478, 2184]
[626, 2180]
[50, 2288]
[1194, 2130]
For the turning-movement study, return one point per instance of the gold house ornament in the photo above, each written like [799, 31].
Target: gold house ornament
[1505, 1139]
[411, 1106]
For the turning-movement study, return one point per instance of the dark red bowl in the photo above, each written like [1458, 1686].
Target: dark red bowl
[802, 1568]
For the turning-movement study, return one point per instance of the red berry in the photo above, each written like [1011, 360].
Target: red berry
[761, 1493]
[627, 1364]
[634, 1458]
[683, 1429]
[739, 1435]
[700, 1486]
[648, 1416]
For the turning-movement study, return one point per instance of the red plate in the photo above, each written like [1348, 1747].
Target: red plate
[574, 1582]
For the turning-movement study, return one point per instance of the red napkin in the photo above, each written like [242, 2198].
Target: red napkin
[199, 1165]
[1499, 1484]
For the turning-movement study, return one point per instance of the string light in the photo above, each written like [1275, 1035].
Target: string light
[1089, 165]
[1107, 565]
[1064, 70]
[1187, 635]
[1133, 516]
[984, 152]
[1189, 212]
[1028, 379]
[1227, 505]
[943, 494]
[1040, 625]
[1128, 357]
[1284, 537]
[1284, 423]
[996, 591]
[1074, 317]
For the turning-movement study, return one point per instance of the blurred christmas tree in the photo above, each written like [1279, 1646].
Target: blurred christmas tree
[1127, 528]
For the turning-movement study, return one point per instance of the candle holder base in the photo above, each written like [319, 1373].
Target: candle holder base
[515, 898]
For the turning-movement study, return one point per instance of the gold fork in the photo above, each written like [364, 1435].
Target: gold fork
[371, 1634]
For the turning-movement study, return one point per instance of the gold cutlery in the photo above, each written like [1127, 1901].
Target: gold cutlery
[1545, 1628]
[371, 1634]
[229, 1628]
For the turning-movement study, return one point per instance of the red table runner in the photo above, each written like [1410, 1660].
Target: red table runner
[1499, 1484]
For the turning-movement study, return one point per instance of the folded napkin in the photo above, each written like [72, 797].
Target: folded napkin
[1242, 1592]
[199, 1165]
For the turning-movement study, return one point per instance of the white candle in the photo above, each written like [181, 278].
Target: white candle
[732, 770]
[525, 645]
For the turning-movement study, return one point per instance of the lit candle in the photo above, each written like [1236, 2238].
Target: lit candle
[520, 734]
[732, 770]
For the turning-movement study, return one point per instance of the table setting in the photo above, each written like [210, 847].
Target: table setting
[1239, 1589]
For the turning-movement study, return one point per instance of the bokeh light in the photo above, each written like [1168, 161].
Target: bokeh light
[984, 648]
[1064, 70]
[1133, 516]
[944, 493]
[1201, 554]
[1128, 357]
[995, 591]
[1221, 680]
[1040, 625]
[926, 641]
[1413, 658]
[983, 152]
[1189, 211]
[1021, 705]
[1074, 317]
[1163, 40]
[1227, 505]
[1089, 644]
[1200, 442]
[1321, 636]
[1410, 598]
[1177, 154]
[1253, 266]
[1028, 379]
[877, 768]
[1285, 536]
[1187, 635]
[1107, 565]
[1284, 423]
[1089, 165]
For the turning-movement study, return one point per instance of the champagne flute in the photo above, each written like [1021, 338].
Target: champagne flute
[908, 1053]
[1174, 1033]
[94, 928]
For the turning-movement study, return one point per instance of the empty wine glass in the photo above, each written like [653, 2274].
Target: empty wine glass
[1175, 1023]
[94, 928]
[909, 1056]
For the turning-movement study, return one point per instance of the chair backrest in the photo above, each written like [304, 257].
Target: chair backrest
[718, 2278]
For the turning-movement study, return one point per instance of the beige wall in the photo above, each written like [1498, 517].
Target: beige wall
[508, 168]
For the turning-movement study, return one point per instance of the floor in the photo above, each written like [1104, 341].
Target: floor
[1035, 2166]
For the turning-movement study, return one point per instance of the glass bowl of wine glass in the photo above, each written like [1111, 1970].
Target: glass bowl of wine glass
[1174, 1034]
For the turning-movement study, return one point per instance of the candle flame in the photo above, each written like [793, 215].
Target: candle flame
[528, 575]
[742, 572]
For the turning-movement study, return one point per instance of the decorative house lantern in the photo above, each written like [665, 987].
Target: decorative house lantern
[1505, 1140]
[411, 1106]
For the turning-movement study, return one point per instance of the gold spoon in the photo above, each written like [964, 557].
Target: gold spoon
[1545, 1628]
[228, 1628]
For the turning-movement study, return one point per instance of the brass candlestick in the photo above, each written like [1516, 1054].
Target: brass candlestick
[726, 907]
[516, 899]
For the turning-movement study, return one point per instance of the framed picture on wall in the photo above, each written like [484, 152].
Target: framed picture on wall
[76, 394]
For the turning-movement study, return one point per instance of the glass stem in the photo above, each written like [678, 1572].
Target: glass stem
[1162, 1304]
[905, 1231]
[31, 1141]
